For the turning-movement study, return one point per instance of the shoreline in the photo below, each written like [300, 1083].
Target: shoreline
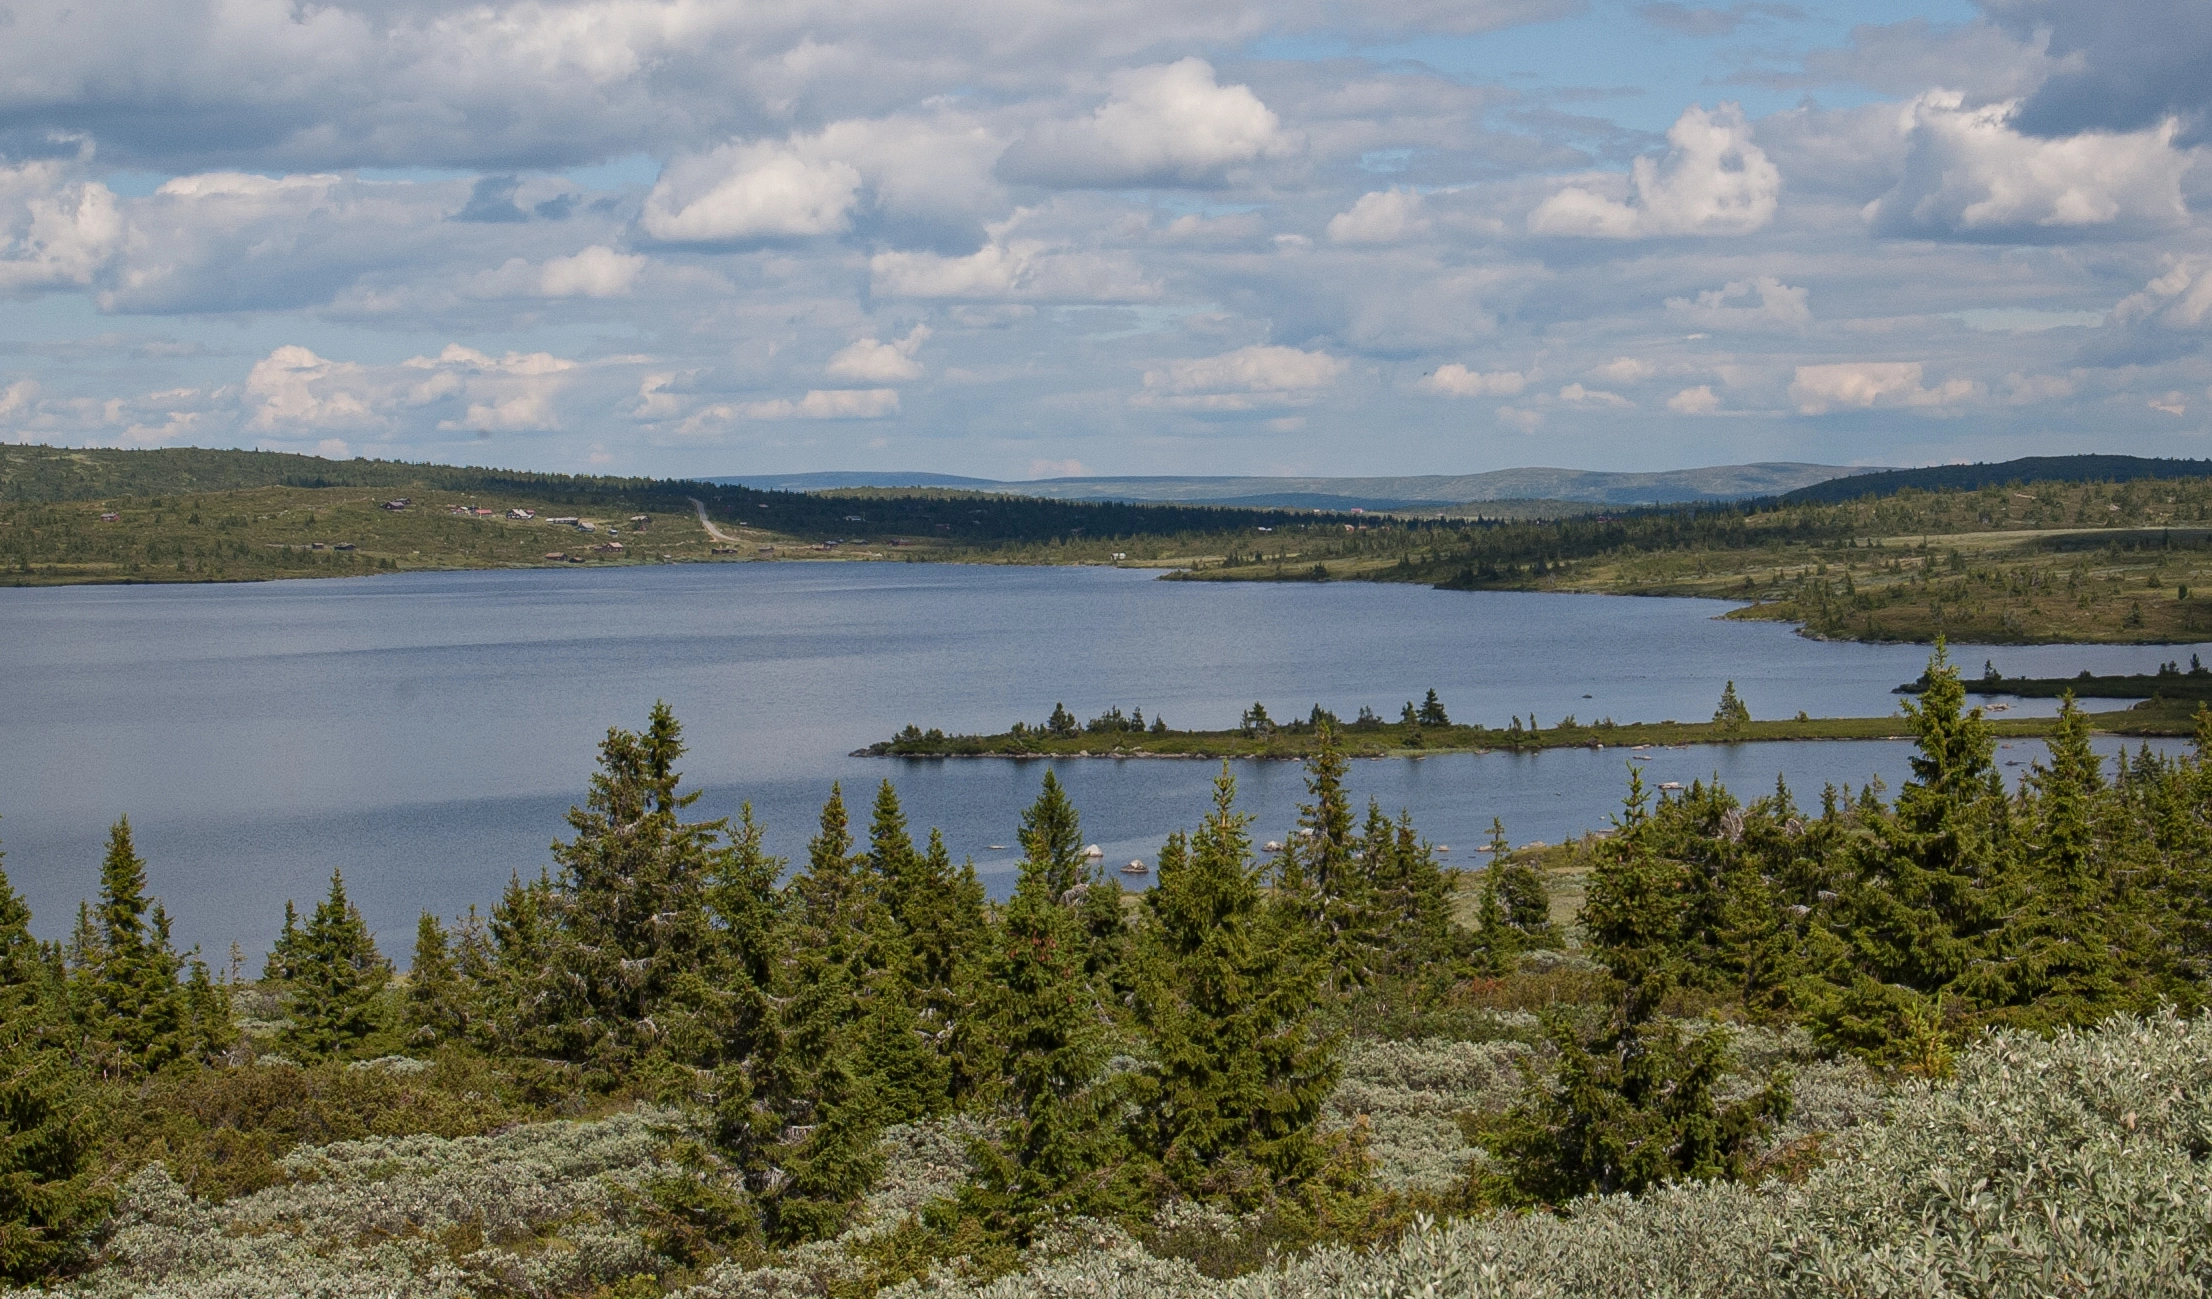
[1740, 609]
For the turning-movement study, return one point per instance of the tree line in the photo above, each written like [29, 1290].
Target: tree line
[804, 1006]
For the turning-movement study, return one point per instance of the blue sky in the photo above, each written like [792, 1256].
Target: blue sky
[1037, 237]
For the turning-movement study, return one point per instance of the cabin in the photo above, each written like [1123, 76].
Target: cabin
[519, 513]
[396, 503]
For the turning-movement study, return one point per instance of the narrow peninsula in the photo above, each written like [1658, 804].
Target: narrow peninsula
[1426, 729]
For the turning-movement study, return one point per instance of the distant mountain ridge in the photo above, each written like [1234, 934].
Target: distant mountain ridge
[1413, 491]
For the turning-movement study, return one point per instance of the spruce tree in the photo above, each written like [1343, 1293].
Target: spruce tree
[629, 941]
[1732, 714]
[208, 1029]
[1632, 910]
[437, 1008]
[1107, 943]
[1319, 877]
[1045, 1021]
[2059, 962]
[32, 1005]
[519, 977]
[338, 975]
[1923, 895]
[1497, 942]
[1636, 1106]
[278, 967]
[745, 909]
[822, 1092]
[1051, 837]
[51, 1197]
[898, 1048]
[1227, 1002]
[131, 1001]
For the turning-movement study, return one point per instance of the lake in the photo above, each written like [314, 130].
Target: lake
[425, 733]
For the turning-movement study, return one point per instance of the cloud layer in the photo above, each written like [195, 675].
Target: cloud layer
[693, 236]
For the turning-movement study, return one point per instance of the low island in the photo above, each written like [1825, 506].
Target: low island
[1426, 728]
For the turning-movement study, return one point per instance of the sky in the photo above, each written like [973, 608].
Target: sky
[1033, 238]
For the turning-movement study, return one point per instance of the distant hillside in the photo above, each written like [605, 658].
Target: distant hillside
[948, 518]
[2027, 469]
[1409, 492]
[43, 473]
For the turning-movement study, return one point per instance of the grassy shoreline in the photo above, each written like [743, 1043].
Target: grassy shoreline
[2153, 718]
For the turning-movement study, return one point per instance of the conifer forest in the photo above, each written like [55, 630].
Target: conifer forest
[1949, 1041]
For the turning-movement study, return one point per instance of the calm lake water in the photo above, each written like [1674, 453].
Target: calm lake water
[426, 733]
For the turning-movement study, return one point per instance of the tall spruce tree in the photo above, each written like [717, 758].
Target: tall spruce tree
[132, 1006]
[32, 1005]
[51, 1196]
[517, 976]
[1051, 837]
[2057, 951]
[629, 942]
[1412, 900]
[745, 908]
[823, 1091]
[1319, 876]
[899, 1048]
[1044, 1017]
[1923, 895]
[437, 1009]
[1227, 1001]
[49, 1193]
[1632, 909]
[337, 977]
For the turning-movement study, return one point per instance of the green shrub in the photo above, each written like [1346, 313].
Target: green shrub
[224, 1131]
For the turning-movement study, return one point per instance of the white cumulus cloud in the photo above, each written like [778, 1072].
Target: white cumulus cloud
[54, 232]
[1626, 369]
[819, 403]
[1969, 174]
[292, 391]
[1713, 181]
[595, 272]
[1246, 379]
[1761, 302]
[1012, 269]
[1581, 398]
[1168, 124]
[1701, 400]
[750, 191]
[869, 360]
[2181, 298]
[1456, 380]
[1862, 384]
[1382, 217]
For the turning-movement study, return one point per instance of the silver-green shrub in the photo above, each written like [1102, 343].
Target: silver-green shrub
[538, 1210]
[1409, 1093]
[2070, 1166]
